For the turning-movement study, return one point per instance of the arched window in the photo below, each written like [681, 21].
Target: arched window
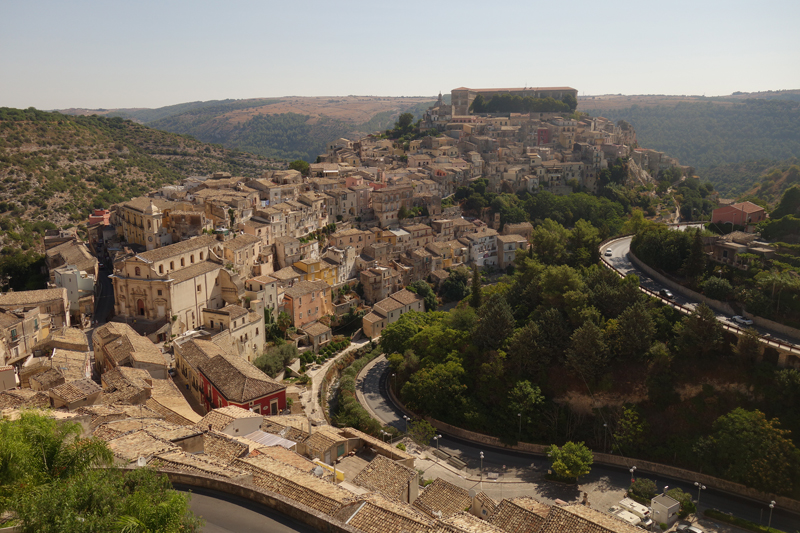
[172, 265]
[137, 271]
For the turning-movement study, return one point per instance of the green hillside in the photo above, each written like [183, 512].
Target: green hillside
[257, 125]
[55, 168]
[765, 179]
[705, 134]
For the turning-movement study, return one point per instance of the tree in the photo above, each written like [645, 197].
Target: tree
[276, 358]
[572, 460]
[421, 432]
[685, 499]
[746, 448]
[301, 166]
[524, 399]
[644, 488]
[699, 334]
[549, 241]
[53, 481]
[404, 122]
[748, 345]
[454, 288]
[570, 100]
[437, 391]
[495, 323]
[284, 322]
[475, 203]
[629, 436]
[396, 336]
[695, 264]
[635, 332]
[423, 289]
[586, 352]
[717, 288]
[475, 296]
[232, 217]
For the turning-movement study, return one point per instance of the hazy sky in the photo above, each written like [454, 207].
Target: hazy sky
[108, 54]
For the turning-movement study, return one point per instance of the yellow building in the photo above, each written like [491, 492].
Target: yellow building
[317, 270]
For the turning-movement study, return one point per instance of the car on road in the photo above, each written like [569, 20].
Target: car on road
[664, 293]
[742, 320]
[689, 529]
[609, 253]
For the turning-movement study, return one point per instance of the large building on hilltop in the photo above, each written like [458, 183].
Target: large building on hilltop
[462, 97]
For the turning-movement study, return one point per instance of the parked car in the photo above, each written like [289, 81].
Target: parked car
[609, 253]
[689, 529]
[742, 320]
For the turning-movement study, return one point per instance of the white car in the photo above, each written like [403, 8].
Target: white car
[742, 320]
[609, 253]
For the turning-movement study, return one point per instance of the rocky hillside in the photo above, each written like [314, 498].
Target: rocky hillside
[55, 168]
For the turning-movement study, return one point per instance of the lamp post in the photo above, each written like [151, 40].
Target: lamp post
[605, 436]
[482, 471]
[632, 470]
[436, 438]
[395, 382]
[700, 487]
[771, 506]
[406, 419]
[519, 432]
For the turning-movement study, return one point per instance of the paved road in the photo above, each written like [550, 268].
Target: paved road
[224, 513]
[620, 262]
[529, 467]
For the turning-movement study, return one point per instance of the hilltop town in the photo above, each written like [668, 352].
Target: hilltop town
[149, 328]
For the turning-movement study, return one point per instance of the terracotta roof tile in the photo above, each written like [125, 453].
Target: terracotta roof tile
[387, 477]
[444, 497]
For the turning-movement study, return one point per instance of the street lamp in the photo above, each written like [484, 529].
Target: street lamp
[406, 419]
[395, 382]
[482, 470]
[519, 433]
[771, 506]
[605, 436]
[436, 438]
[632, 470]
[700, 487]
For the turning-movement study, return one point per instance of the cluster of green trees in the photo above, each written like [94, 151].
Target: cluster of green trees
[563, 323]
[705, 134]
[276, 358]
[733, 180]
[52, 480]
[507, 103]
[348, 411]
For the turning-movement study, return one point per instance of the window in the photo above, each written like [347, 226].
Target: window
[36, 324]
[256, 332]
[199, 288]
[13, 334]
[316, 310]
[191, 258]
[172, 265]
[201, 256]
[47, 308]
[137, 271]
[183, 262]
[212, 324]
[160, 269]
[301, 315]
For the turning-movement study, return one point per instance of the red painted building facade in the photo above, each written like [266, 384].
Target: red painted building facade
[231, 380]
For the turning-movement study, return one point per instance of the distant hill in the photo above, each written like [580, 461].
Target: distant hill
[288, 128]
[715, 131]
[55, 168]
[764, 178]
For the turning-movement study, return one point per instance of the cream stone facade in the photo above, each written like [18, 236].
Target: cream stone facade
[246, 328]
[175, 283]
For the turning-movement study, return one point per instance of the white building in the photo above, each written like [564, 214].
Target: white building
[80, 290]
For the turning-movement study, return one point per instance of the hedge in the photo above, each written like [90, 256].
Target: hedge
[739, 522]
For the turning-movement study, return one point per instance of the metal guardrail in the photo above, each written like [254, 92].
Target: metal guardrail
[688, 311]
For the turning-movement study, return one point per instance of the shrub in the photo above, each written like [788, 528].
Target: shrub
[663, 526]
[643, 488]
[740, 522]
[401, 446]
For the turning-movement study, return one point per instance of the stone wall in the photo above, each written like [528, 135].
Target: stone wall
[716, 305]
[769, 324]
[276, 502]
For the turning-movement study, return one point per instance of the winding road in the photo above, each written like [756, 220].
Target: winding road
[372, 384]
[621, 263]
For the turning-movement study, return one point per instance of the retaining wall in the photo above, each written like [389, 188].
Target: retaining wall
[295, 510]
[716, 305]
[769, 324]
[612, 460]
